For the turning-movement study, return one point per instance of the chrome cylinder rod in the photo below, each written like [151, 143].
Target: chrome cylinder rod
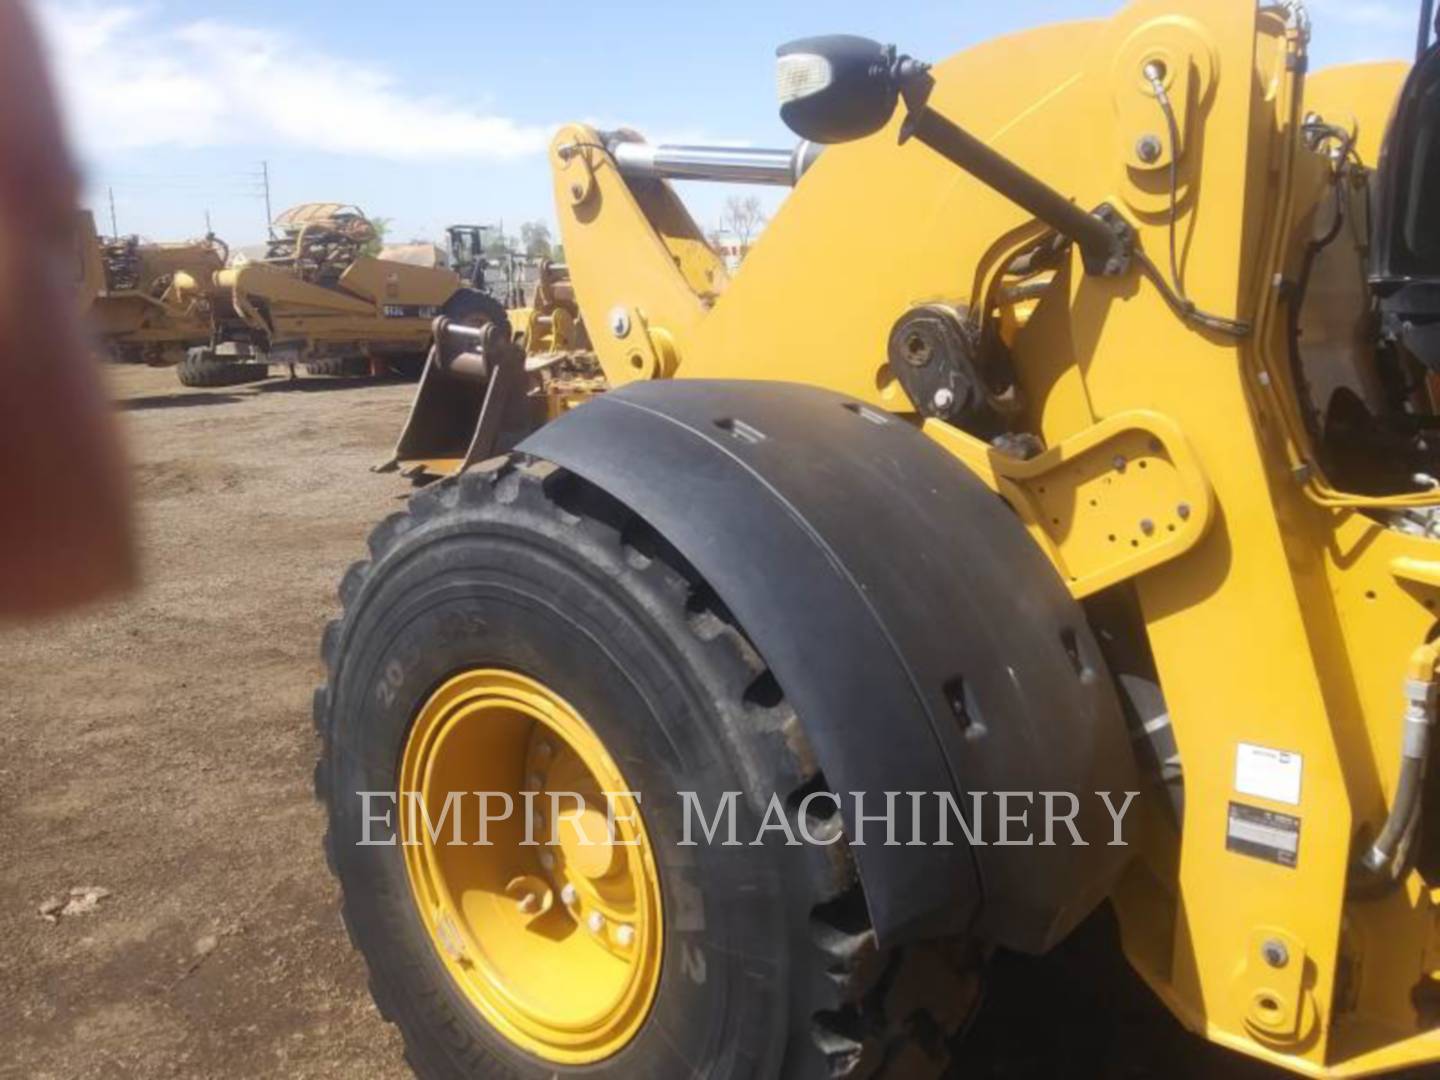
[722, 164]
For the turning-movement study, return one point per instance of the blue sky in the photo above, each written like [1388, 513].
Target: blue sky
[429, 113]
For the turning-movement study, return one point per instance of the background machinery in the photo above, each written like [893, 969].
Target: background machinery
[141, 298]
[319, 299]
[1116, 474]
[468, 245]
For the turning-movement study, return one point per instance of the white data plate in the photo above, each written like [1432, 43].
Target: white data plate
[1268, 774]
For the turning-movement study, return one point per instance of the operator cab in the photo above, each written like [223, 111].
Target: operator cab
[467, 251]
[1405, 250]
[1387, 441]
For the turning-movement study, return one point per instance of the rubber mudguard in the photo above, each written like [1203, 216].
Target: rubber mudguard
[926, 642]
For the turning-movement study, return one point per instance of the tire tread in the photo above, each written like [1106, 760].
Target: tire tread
[865, 1012]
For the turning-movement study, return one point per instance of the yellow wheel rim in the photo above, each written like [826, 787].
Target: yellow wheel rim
[554, 935]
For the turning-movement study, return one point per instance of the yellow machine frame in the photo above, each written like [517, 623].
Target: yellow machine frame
[319, 318]
[1279, 614]
[163, 314]
[374, 307]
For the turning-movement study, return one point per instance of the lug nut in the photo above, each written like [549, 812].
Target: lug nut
[625, 935]
[1147, 526]
[1183, 510]
[596, 922]
[567, 894]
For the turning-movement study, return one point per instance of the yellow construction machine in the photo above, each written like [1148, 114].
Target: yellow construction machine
[318, 298]
[141, 298]
[837, 629]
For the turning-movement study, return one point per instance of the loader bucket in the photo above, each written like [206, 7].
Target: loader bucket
[471, 404]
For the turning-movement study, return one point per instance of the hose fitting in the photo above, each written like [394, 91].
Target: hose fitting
[1381, 863]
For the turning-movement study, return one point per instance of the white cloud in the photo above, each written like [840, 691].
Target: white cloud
[131, 80]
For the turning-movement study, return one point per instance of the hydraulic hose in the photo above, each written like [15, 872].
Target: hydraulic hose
[1174, 289]
[1380, 865]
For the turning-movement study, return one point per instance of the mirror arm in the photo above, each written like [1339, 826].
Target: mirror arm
[1106, 240]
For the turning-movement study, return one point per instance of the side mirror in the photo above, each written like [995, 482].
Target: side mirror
[836, 88]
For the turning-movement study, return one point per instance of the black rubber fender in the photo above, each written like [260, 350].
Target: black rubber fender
[925, 640]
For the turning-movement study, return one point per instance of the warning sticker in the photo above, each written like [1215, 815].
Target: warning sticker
[1263, 834]
[1268, 774]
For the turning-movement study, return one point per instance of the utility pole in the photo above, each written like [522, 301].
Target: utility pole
[209, 230]
[114, 229]
[269, 215]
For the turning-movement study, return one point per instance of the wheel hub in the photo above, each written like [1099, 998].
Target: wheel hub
[552, 929]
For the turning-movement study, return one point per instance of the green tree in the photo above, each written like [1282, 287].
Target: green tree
[372, 247]
[535, 239]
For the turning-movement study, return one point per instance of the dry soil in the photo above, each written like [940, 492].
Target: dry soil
[161, 748]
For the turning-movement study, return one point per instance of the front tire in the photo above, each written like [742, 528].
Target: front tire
[769, 965]
[202, 368]
[339, 367]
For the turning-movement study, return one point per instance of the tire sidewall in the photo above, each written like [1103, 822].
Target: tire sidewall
[502, 591]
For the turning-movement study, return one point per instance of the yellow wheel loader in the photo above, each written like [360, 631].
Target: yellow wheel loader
[1082, 551]
[141, 298]
[318, 299]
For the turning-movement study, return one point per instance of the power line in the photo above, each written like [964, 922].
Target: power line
[256, 176]
[228, 184]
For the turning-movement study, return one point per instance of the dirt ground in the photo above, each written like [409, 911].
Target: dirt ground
[161, 748]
